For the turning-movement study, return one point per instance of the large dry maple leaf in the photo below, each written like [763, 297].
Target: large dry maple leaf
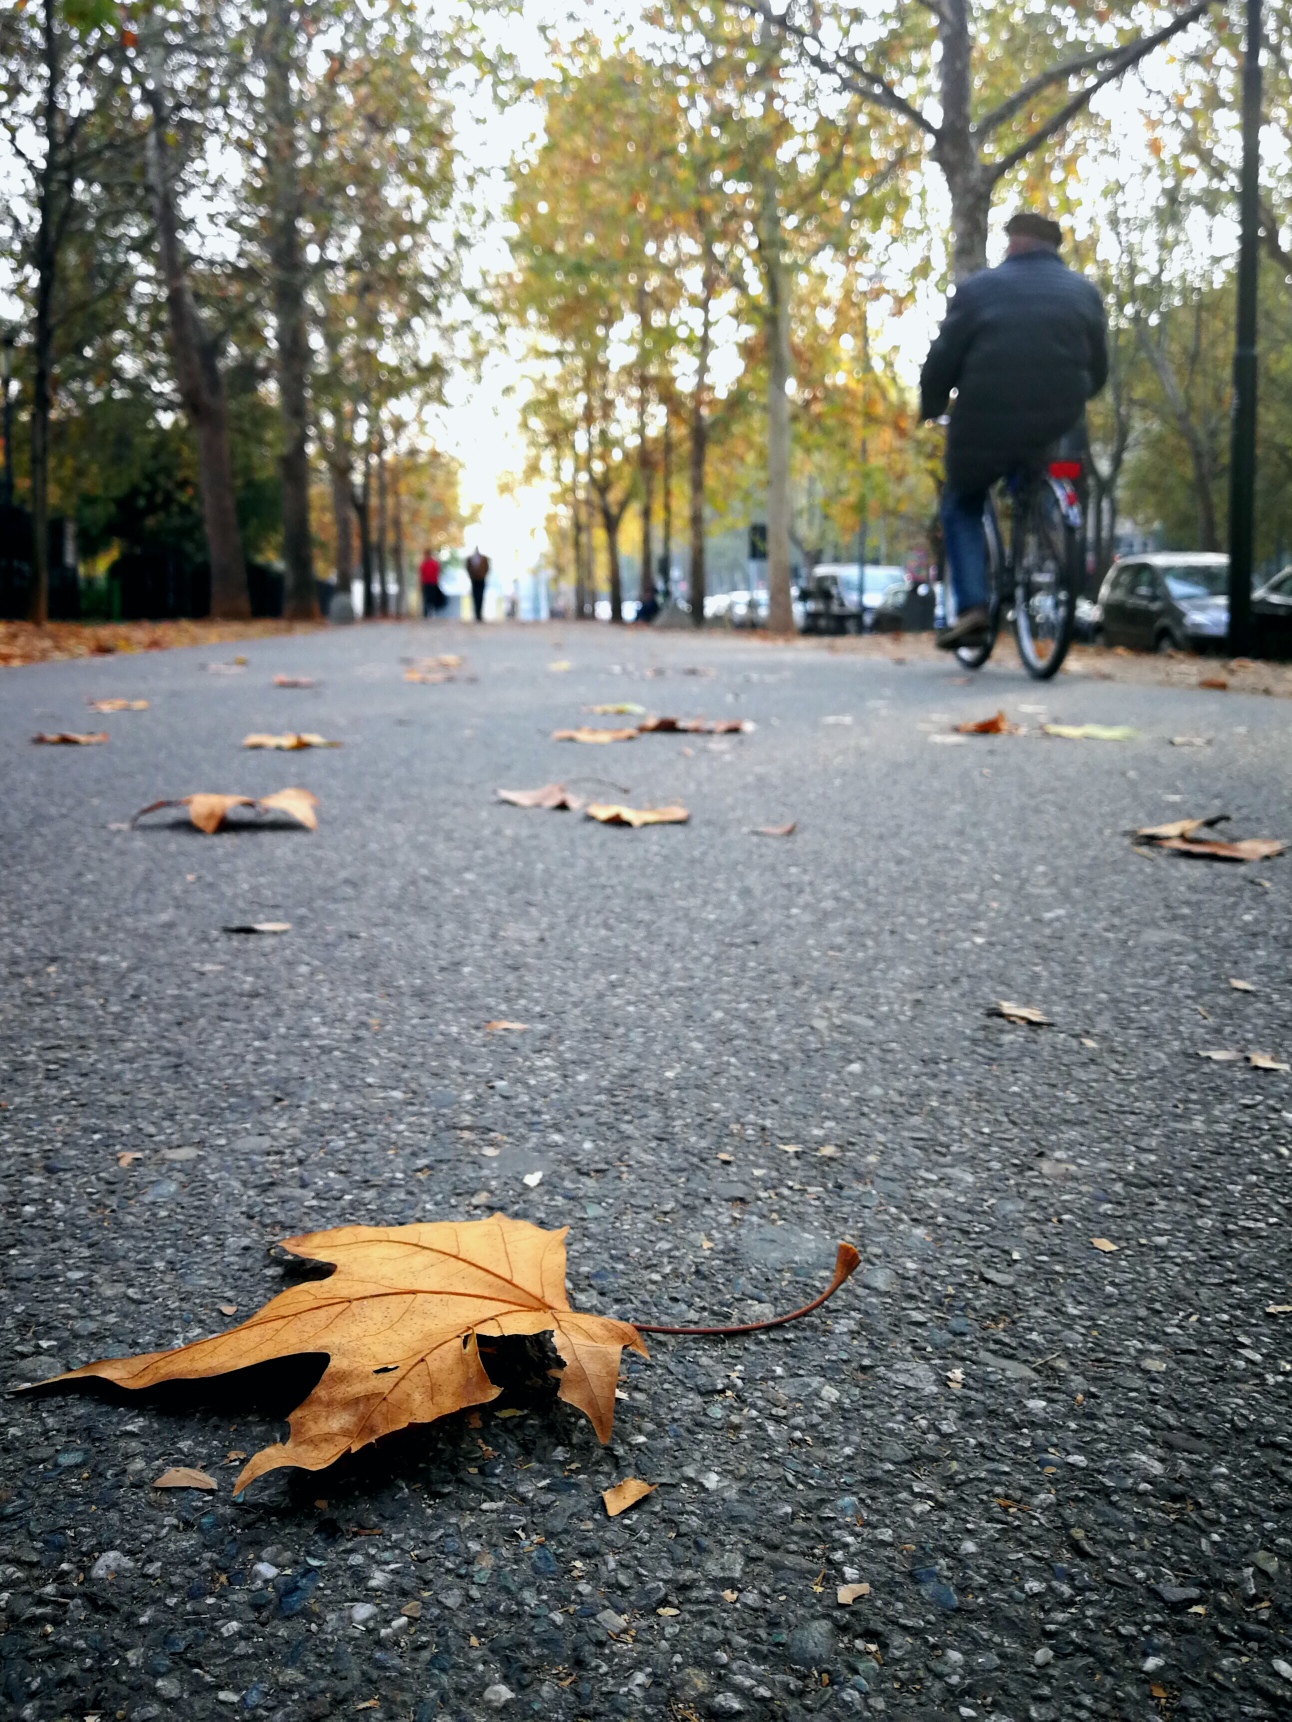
[399, 1321]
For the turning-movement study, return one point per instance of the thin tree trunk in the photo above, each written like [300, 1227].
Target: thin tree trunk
[666, 549]
[699, 444]
[577, 525]
[201, 382]
[780, 615]
[288, 294]
[955, 150]
[46, 261]
[383, 526]
[343, 525]
[645, 467]
[397, 541]
[362, 504]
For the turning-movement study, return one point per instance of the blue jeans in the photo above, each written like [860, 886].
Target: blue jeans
[966, 547]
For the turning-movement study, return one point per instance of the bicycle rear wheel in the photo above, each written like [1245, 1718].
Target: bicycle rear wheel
[1047, 567]
[974, 657]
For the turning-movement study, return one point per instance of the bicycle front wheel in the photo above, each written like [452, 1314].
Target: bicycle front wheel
[1047, 567]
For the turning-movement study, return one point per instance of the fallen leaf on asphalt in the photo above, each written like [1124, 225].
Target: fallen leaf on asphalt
[290, 743]
[998, 725]
[440, 661]
[258, 927]
[1278, 1309]
[847, 1594]
[1263, 1061]
[208, 812]
[1190, 741]
[117, 705]
[429, 676]
[1020, 1013]
[668, 1613]
[1242, 986]
[532, 1179]
[560, 666]
[785, 1148]
[619, 708]
[227, 1308]
[1179, 836]
[1089, 731]
[775, 830]
[183, 1477]
[829, 1152]
[399, 1321]
[500, 1025]
[956, 1378]
[1105, 1245]
[1158, 1691]
[1222, 1057]
[625, 1495]
[613, 814]
[594, 736]
[695, 726]
[72, 738]
[554, 795]
[293, 681]
[730, 1595]
[1213, 682]
[128, 1158]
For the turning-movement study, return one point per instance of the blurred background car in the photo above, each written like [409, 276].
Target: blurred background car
[1274, 598]
[904, 607]
[1088, 621]
[1166, 601]
[842, 597]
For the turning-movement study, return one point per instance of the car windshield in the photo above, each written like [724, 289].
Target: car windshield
[1206, 580]
[878, 579]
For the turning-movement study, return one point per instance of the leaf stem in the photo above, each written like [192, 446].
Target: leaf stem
[846, 1263]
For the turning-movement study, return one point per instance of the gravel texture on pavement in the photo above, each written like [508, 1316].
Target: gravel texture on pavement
[1063, 1471]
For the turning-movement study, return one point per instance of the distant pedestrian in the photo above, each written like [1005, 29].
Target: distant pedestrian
[478, 573]
[432, 597]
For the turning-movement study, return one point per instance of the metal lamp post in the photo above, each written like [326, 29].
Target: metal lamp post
[1242, 443]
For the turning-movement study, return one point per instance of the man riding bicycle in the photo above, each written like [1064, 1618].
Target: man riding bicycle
[1024, 346]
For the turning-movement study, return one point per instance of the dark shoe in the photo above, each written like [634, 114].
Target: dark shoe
[966, 630]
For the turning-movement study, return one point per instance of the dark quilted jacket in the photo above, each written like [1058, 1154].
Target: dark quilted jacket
[1025, 346]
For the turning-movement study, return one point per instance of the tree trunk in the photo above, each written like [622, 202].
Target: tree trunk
[342, 525]
[46, 260]
[610, 519]
[666, 548]
[361, 502]
[201, 383]
[780, 615]
[955, 150]
[1201, 455]
[383, 528]
[397, 537]
[645, 468]
[288, 294]
[579, 526]
[699, 444]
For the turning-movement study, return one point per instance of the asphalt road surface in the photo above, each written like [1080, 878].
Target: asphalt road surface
[1064, 1471]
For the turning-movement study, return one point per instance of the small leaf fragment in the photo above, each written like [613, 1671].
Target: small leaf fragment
[1222, 1055]
[1278, 1309]
[847, 1594]
[1242, 986]
[293, 681]
[1263, 1061]
[297, 804]
[500, 1025]
[551, 795]
[625, 1495]
[292, 742]
[619, 708]
[997, 725]
[775, 830]
[1020, 1013]
[117, 705]
[595, 737]
[1089, 731]
[71, 738]
[258, 927]
[184, 1477]
[615, 814]
[1106, 1245]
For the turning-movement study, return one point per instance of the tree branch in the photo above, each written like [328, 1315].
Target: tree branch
[1129, 56]
[1033, 87]
[858, 78]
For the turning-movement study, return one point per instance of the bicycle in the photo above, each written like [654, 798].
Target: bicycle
[1043, 567]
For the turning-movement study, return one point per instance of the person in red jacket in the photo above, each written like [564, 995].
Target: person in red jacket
[432, 596]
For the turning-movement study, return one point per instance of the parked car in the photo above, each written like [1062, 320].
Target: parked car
[1087, 621]
[905, 607]
[841, 597]
[1166, 601]
[1274, 598]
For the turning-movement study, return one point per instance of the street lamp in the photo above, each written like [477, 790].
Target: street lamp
[1242, 436]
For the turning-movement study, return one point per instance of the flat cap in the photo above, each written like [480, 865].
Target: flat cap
[1027, 225]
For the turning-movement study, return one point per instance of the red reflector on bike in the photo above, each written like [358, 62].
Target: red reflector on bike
[1065, 469]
